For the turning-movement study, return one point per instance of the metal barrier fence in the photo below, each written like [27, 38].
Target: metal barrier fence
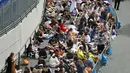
[98, 64]
[13, 12]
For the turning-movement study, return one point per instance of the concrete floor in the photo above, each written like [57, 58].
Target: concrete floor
[120, 62]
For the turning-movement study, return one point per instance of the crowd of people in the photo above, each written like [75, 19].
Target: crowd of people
[77, 32]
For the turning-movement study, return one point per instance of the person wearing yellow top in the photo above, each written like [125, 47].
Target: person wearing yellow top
[81, 53]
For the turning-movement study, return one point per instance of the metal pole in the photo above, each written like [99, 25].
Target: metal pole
[18, 60]
[30, 40]
[2, 17]
[25, 53]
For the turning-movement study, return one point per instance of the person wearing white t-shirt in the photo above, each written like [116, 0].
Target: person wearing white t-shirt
[54, 62]
[87, 38]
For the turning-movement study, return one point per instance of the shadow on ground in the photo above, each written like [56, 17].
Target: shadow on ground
[125, 30]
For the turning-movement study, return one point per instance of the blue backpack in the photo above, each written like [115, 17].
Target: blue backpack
[109, 51]
[103, 60]
[94, 71]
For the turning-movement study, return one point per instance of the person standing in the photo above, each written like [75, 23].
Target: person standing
[11, 64]
[117, 4]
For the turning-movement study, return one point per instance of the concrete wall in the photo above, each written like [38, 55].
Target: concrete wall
[15, 39]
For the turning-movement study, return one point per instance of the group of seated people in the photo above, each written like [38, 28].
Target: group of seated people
[77, 32]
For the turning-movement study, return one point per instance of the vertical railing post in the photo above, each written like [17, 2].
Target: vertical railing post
[19, 60]
[25, 52]
[2, 18]
[30, 40]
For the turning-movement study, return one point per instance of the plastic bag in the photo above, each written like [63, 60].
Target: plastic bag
[47, 38]
[36, 56]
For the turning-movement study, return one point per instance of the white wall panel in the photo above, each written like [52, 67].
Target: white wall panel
[15, 39]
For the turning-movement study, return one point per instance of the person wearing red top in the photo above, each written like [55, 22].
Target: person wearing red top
[62, 26]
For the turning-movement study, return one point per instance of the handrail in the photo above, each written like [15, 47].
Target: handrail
[104, 51]
[15, 23]
[16, 55]
[109, 42]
